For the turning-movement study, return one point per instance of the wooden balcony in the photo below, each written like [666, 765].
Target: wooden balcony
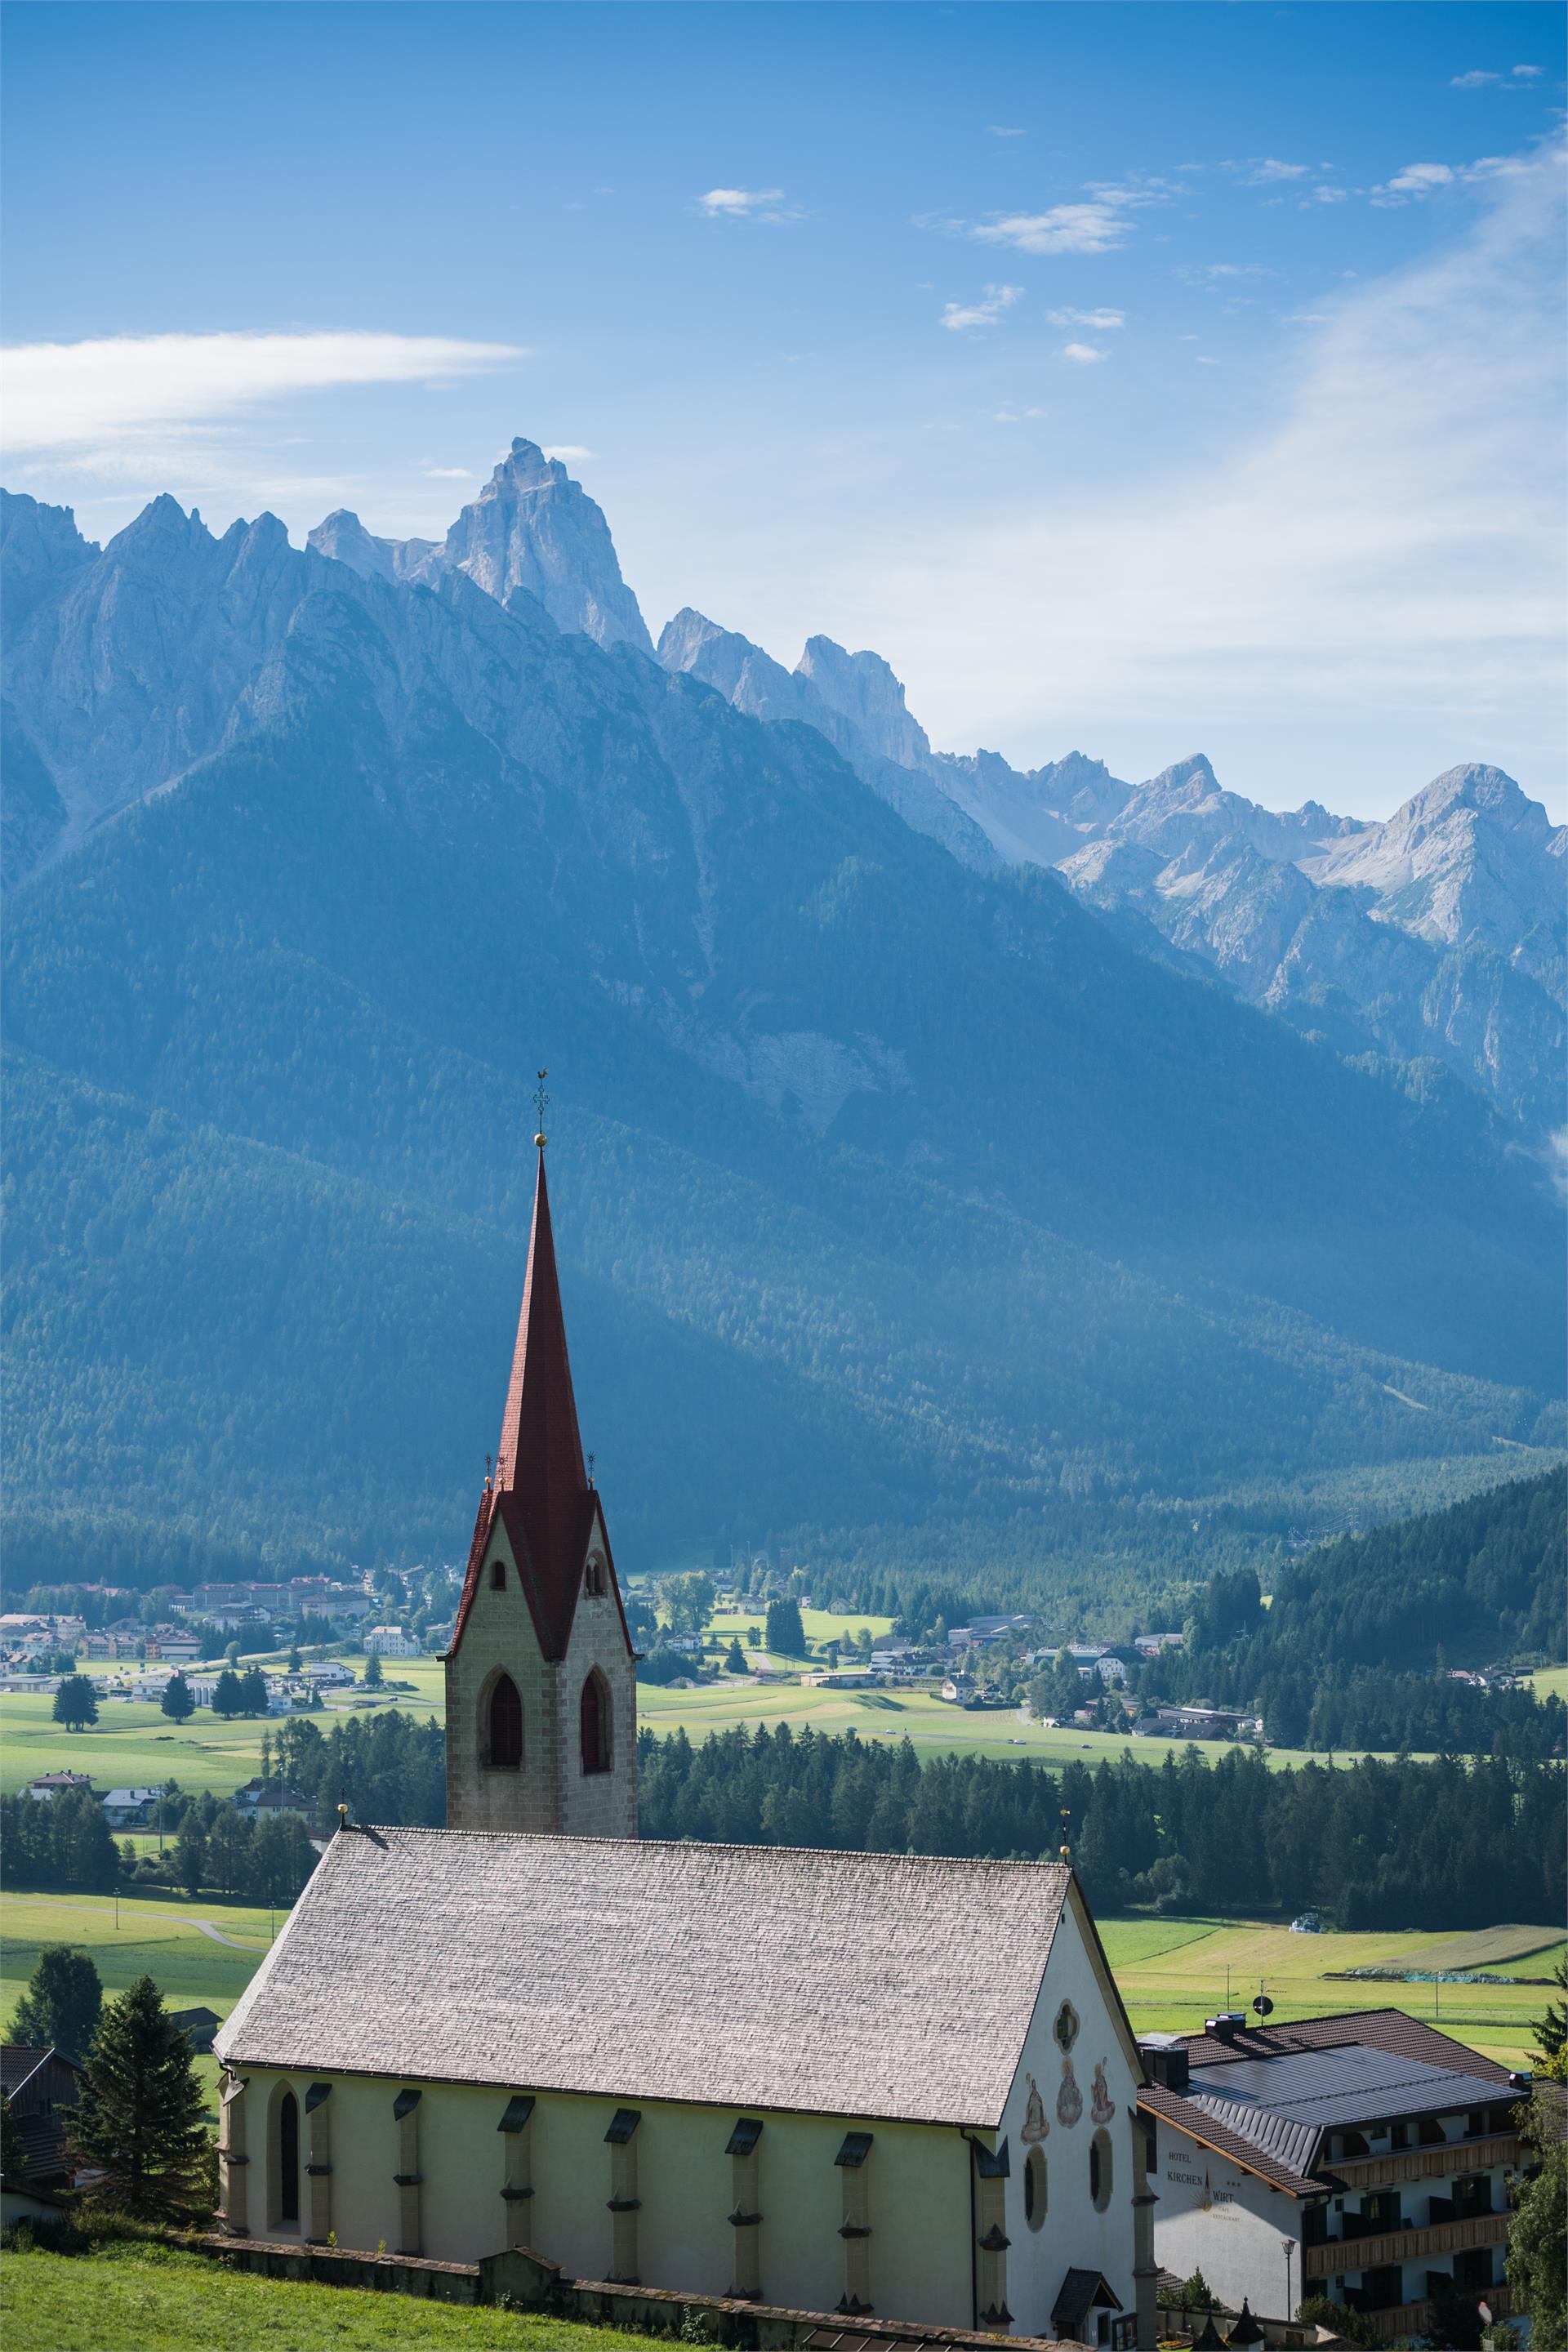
[1405, 2320]
[1428, 2163]
[1441, 2237]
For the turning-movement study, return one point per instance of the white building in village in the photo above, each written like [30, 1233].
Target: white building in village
[1364, 2156]
[836, 2082]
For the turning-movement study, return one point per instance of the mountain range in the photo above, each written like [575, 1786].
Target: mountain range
[925, 1174]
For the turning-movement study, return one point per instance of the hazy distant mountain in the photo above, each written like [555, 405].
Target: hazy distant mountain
[762, 686]
[1437, 937]
[893, 1193]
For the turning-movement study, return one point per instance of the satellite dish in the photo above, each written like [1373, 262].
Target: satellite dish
[1263, 2006]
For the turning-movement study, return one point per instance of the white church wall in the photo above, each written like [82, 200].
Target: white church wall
[1096, 2070]
[916, 2180]
[1212, 2216]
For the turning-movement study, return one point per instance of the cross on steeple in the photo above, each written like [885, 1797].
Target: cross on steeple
[540, 1100]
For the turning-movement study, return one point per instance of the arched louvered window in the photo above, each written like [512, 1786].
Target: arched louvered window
[498, 1576]
[505, 1741]
[594, 1713]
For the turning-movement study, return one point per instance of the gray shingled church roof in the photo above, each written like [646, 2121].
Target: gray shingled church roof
[844, 1984]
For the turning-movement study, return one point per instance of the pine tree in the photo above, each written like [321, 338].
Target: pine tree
[76, 1703]
[60, 2010]
[786, 1635]
[140, 2120]
[734, 1661]
[1551, 2029]
[373, 1676]
[253, 1691]
[226, 1699]
[12, 2155]
[177, 1703]
[191, 1855]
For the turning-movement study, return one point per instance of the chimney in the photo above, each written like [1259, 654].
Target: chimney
[1227, 2025]
[1166, 2062]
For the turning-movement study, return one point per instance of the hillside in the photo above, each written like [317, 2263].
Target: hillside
[1359, 1643]
[890, 1191]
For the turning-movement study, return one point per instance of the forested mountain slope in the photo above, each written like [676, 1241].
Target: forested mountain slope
[890, 1190]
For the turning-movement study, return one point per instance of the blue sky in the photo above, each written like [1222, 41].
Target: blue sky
[1140, 378]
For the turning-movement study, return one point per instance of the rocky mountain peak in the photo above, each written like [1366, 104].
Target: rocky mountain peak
[343, 538]
[533, 527]
[861, 686]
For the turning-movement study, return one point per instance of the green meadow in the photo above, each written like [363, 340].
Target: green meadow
[150, 2298]
[133, 1744]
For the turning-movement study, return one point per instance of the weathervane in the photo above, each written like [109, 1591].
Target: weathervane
[540, 1101]
[487, 1471]
[590, 1469]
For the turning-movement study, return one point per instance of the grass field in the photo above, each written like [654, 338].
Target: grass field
[1172, 1972]
[133, 1744]
[136, 2298]
[1550, 1681]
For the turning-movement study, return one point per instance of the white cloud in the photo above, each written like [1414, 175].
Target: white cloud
[1415, 180]
[1527, 73]
[1096, 223]
[1472, 81]
[1012, 131]
[568, 452]
[1081, 354]
[1203, 360]
[1267, 169]
[1212, 272]
[448, 474]
[959, 317]
[1324, 195]
[1378, 557]
[748, 203]
[1101, 320]
[74, 395]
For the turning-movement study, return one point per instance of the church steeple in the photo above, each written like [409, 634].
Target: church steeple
[540, 1685]
[539, 1460]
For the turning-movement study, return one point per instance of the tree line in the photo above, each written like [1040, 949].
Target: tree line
[1381, 1843]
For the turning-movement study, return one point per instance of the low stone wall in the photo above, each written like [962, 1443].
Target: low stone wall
[525, 2282]
[337, 2266]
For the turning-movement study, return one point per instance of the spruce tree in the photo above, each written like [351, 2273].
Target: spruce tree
[60, 2009]
[13, 2155]
[177, 1702]
[76, 1703]
[374, 1676]
[226, 1699]
[139, 2122]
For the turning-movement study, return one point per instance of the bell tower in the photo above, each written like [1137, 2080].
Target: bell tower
[540, 1674]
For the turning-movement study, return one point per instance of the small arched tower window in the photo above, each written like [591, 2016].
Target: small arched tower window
[593, 1582]
[594, 1716]
[498, 1576]
[505, 1725]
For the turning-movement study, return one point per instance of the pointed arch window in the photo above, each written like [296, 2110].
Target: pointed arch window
[594, 1714]
[504, 1727]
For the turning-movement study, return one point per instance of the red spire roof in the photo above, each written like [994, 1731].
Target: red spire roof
[540, 1491]
[539, 1457]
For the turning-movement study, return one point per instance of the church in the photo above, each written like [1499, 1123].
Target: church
[839, 2083]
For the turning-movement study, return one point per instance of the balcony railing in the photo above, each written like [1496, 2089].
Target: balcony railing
[1426, 2163]
[1405, 2320]
[1404, 2246]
